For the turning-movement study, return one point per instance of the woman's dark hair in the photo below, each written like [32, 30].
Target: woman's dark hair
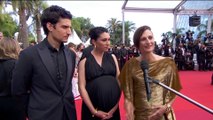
[138, 33]
[95, 32]
[52, 14]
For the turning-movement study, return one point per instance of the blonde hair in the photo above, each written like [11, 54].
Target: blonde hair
[9, 48]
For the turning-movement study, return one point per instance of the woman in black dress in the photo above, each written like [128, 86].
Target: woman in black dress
[10, 108]
[98, 83]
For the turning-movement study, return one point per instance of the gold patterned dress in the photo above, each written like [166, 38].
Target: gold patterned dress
[132, 84]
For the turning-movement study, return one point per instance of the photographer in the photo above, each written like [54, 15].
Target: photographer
[189, 35]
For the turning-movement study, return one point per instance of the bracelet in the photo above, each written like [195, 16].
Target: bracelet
[96, 111]
[168, 108]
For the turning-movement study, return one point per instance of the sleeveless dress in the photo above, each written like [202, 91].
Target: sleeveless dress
[102, 86]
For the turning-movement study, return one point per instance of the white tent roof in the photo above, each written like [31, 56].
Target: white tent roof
[87, 43]
[74, 38]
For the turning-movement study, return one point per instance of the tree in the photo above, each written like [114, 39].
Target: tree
[27, 9]
[22, 8]
[2, 3]
[202, 28]
[76, 25]
[113, 25]
[129, 27]
[179, 31]
[7, 25]
[170, 36]
[23, 31]
[36, 7]
[82, 26]
[115, 28]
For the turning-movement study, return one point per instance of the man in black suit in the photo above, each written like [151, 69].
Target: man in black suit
[43, 73]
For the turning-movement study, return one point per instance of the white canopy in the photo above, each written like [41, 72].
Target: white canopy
[74, 38]
[87, 43]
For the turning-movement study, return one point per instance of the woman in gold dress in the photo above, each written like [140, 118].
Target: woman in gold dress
[132, 81]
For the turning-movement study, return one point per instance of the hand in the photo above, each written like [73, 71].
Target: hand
[101, 114]
[158, 112]
[110, 114]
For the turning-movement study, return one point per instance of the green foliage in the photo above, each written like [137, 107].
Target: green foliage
[7, 25]
[169, 36]
[202, 28]
[82, 26]
[115, 28]
[36, 8]
[76, 25]
[1, 6]
[179, 31]
[31, 38]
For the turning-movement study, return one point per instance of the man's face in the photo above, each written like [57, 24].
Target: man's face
[61, 30]
[1, 35]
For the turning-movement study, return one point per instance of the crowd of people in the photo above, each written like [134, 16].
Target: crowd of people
[189, 53]
[42, 81]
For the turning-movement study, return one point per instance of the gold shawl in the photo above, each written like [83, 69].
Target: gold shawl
[132, 84]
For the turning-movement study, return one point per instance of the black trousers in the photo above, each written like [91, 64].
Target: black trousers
[10, 109]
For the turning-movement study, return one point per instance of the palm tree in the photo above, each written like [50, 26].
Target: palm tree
[202, 28]
[23, 31]
[113, 25]
[2, 9]
[115, 29]
[7, 25]
[129, 27]
[179, 31]
[36, 7]
[170, 36]
[26, 9]
[82, 26]
[22, 7]
[1, 6]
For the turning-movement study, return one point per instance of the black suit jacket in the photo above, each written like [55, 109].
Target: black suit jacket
[35, 83]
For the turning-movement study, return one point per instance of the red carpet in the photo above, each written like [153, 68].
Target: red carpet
[196, 85]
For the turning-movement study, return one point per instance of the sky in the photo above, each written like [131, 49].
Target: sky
[101, 11]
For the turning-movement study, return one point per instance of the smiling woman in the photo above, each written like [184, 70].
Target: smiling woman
[132, 78]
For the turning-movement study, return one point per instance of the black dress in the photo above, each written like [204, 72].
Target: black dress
[102, 86]
[10, 107]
